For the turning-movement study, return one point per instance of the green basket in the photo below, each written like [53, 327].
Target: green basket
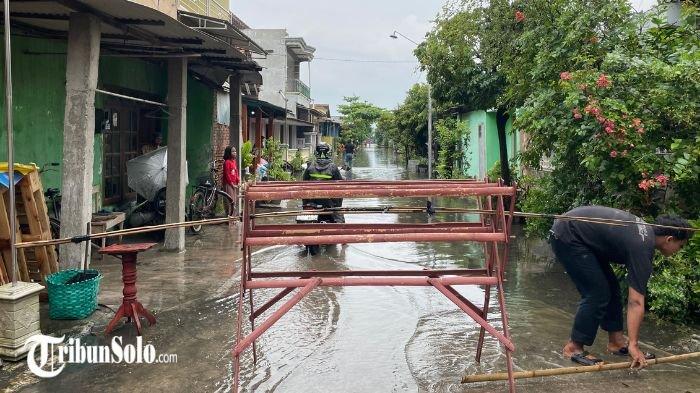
[72, 301]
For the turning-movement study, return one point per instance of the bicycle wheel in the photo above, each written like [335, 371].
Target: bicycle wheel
[227, 203]
[55, 226]
[198, 204]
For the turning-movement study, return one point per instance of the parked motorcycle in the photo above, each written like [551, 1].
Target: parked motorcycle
[314, 249]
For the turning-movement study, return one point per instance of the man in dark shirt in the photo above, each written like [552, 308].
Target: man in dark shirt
[349, 154]
[586, 249]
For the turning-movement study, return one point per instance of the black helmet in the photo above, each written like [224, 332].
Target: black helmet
[323, 150]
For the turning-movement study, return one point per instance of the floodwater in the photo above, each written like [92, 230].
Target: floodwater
[354, 339]
[379, 339]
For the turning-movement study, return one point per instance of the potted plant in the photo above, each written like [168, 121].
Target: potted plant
[247, 158]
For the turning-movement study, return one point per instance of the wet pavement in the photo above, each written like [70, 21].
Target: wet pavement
[353, 339]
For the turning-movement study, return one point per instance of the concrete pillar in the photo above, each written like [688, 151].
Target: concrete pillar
[258, 135]
[177, 146]
[235, 103]
[79, 133]
[246, 122]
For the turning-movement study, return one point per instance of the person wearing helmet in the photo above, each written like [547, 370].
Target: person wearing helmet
[323, 168]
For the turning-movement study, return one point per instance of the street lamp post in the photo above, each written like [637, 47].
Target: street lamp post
[286, 100]
[395, 35]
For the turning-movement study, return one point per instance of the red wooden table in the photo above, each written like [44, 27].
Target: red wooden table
[131, 309]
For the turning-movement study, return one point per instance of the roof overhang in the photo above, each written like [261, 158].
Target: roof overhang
[267, 108]
[298, 47]
[299, 123]
[133, 30]
[221, 29]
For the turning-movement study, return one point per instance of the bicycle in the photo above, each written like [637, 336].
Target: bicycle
[205, 199]
[53, 200]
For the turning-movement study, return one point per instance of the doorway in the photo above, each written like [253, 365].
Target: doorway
[126, 128]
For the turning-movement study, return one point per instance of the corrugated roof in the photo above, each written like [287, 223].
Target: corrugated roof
[133, 29]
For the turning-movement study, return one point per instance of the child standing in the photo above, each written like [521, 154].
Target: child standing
[231, 177]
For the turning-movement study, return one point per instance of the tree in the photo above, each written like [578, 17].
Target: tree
[451, 139]
[358, 119]
[462, 70]
[622, 128]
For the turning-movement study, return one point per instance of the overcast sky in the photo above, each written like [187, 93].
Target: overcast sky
[354, 30]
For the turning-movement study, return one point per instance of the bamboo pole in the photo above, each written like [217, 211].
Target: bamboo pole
[125, 232]
[409, 209]
[502, 376]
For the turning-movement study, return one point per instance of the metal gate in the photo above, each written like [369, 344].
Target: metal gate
[492, 230]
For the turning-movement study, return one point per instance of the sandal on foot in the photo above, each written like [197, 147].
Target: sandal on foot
[624, 351]
[583, 359]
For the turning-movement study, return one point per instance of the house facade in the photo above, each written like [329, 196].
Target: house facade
[96, 82]
[481, 150]
[284, 87]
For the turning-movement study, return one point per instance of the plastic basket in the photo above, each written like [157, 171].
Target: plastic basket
[72, 301]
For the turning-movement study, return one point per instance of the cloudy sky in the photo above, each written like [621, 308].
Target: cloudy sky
[375, 67]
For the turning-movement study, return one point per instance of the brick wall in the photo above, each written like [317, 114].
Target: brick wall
[219, 140]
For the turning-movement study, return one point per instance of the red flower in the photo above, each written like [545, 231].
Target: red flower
[636, 122]
[565, 76]
[662, 179]
[577, 113]
[519, 16]
[613, 153]
[609, 123]
[640, 130]
[599, 118]
[602, 81]
[609, 130]
[583, 86]
[646, 184]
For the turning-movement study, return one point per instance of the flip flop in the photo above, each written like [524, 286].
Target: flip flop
[624, 351]
[583, 359]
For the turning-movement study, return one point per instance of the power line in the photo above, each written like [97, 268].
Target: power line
[349, 60]
[366, 61]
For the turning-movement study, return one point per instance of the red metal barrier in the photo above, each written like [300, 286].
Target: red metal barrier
[493, 230]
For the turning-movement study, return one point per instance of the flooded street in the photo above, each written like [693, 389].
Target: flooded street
[355, 339]
[373, 339]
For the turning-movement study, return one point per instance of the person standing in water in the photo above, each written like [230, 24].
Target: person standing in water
[587, 250]
[231, 177]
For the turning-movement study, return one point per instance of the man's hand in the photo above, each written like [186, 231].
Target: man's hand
[639, 360]
[635, 315]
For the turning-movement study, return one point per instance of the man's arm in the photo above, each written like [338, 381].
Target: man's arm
[635, 316]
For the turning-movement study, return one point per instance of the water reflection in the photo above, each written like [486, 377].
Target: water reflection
[372, 339]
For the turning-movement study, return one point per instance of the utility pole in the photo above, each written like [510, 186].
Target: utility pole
[395, 35]
[430, 133]
[10, 144]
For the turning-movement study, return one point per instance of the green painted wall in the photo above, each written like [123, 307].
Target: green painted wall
[200, 122]
[488, 119]
[39, 103]
[38, 84]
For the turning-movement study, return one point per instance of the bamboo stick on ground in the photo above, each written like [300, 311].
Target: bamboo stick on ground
[574, 370]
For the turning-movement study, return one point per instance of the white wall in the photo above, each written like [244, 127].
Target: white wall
[274, 71]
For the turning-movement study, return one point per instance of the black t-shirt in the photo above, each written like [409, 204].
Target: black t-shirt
[628, 244]
[350, 148]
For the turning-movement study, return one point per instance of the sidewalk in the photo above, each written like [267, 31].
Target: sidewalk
[190, 296]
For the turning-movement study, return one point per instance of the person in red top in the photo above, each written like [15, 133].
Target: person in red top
[231, 177]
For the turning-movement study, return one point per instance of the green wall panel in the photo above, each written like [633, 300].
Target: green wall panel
[38, 84]
[200, 122]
